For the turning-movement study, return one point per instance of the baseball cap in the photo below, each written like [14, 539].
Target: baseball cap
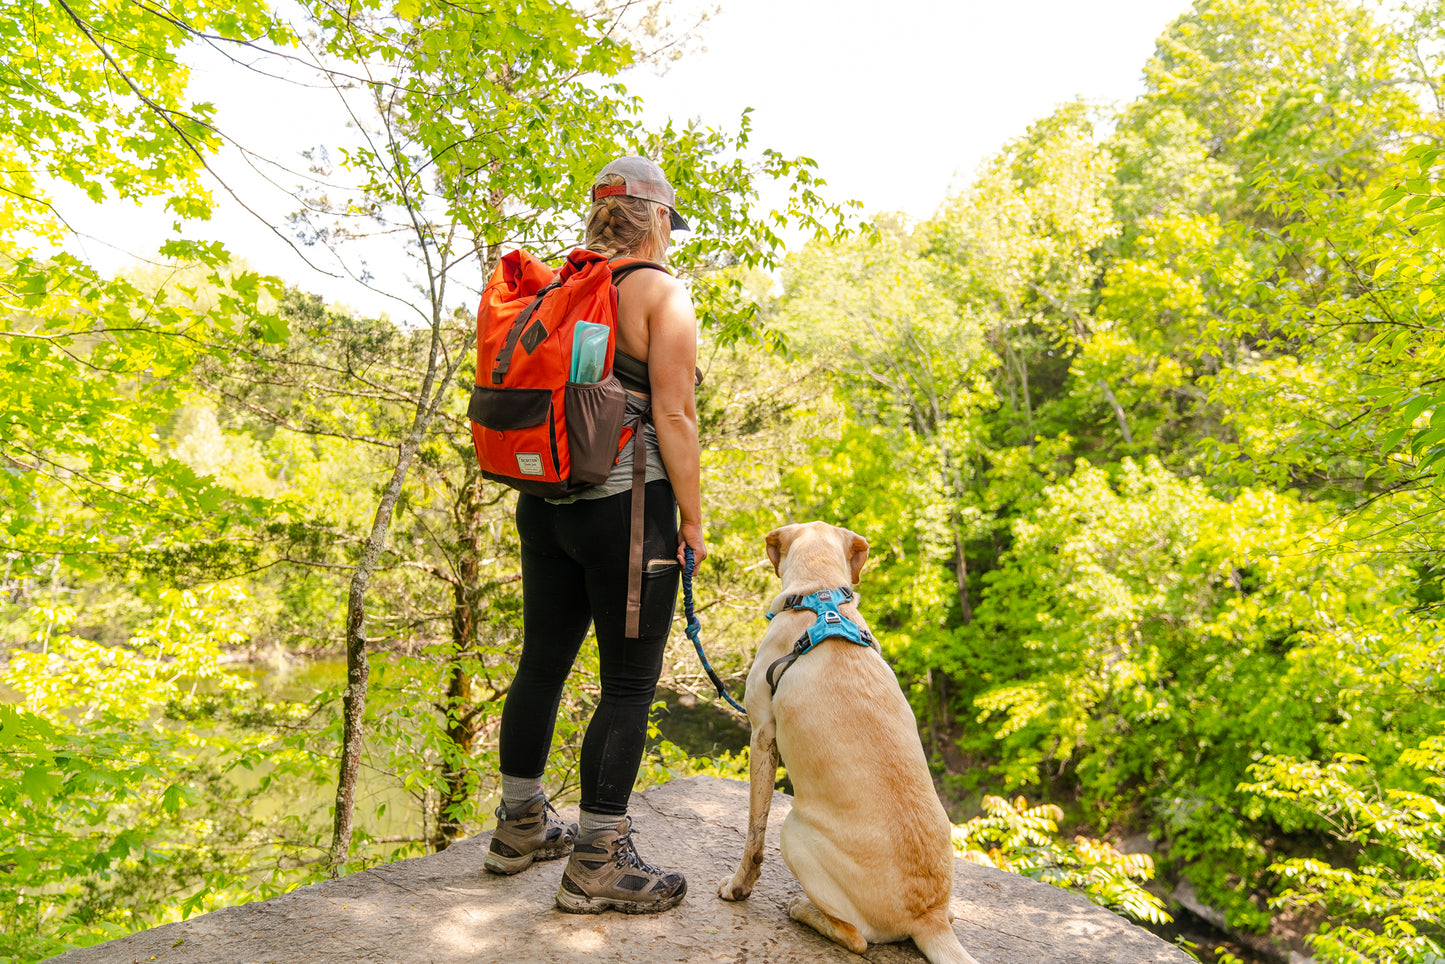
[641, 178]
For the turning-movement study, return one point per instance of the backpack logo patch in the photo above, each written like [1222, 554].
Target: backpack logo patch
[529, 463]
[535, 334]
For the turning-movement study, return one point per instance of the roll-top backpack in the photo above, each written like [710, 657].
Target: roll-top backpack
[533, 428]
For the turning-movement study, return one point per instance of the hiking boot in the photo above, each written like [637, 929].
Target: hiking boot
[534, 831]
[605, 873]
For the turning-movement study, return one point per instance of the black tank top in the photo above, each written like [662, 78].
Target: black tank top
[631, 372]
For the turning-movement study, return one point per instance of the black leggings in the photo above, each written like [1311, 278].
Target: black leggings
[574, 572]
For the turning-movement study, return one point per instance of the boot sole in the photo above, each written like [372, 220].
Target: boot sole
[574, 904]
[507, 866]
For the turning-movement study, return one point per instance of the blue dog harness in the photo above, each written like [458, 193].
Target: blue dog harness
[829, 624]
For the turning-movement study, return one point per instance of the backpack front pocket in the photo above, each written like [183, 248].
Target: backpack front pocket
[507, 409]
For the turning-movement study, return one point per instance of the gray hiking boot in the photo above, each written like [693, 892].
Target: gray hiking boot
[533, 832]
[605, 873]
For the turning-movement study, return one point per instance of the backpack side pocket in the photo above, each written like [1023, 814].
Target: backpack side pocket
[595, 413]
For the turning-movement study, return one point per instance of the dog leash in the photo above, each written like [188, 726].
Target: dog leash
[694, 629]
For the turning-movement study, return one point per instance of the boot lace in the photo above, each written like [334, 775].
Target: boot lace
[627, 853]
[550, 816]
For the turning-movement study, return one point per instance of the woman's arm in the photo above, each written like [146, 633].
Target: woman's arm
[671, 361]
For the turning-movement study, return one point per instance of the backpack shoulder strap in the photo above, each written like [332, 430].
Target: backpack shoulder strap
[622, 267]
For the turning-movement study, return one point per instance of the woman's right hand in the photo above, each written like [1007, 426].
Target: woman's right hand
[690, 534]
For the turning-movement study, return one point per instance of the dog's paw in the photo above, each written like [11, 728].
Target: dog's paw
[729, 889]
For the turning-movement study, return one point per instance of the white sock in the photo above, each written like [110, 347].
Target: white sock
[516, 791]
[593, 822]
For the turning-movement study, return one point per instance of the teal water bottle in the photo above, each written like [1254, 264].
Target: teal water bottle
[589, 352]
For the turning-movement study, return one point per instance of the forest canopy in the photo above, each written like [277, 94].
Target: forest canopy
[1145, 427]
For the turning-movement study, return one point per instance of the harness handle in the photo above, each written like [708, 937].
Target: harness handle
[694, 628]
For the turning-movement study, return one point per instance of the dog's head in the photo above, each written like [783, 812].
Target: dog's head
[819, 548]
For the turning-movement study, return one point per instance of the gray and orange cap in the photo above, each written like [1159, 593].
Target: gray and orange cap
[641, 178]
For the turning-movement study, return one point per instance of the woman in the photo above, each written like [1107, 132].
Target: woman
[574, 572]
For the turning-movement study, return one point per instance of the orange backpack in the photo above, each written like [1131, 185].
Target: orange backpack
[533, 429]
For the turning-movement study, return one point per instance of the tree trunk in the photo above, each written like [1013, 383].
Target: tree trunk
[1118, 412]
[933, 713]
[358, 669]
[960, 570]
[434, 386]
[462, 713]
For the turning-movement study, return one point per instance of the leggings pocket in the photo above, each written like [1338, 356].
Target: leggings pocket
[659, 601]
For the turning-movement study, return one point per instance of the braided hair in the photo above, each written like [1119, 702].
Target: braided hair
[620, 226]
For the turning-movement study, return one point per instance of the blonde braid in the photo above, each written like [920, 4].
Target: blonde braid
[619, 226]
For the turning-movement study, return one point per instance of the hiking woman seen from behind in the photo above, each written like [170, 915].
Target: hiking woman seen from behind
[575, 573]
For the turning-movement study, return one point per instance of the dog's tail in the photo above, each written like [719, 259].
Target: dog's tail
[937, 941]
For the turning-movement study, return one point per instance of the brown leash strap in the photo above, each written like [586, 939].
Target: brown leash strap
[634, 547]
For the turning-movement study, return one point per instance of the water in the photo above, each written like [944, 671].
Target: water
[698, 726]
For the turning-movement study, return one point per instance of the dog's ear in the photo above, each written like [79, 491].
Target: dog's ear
[857, 548]
[777, 541]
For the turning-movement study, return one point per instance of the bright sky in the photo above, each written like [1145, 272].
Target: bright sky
[896, 98]
[898, 102]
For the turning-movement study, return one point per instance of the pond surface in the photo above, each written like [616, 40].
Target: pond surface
[699, 727]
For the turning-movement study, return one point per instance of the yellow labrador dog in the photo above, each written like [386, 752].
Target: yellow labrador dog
[867, 838]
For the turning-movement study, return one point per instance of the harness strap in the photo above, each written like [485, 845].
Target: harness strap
[799, 601]
[829, 624]
[784, 662]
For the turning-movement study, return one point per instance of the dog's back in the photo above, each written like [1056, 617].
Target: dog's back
[866, 836]
[865, 810]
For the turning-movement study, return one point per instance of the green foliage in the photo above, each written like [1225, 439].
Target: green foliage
[1150, 642]
[92, 364]
[112, 117]
[1013, 836]
[96, 366]
[1386, 903]
[115, 808]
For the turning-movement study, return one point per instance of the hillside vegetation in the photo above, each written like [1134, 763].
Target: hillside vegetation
[1145, 428]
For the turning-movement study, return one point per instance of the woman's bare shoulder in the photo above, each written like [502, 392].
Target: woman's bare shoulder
[657, 291]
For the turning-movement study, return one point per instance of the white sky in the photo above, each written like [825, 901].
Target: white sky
[893, 98]
[898, 102]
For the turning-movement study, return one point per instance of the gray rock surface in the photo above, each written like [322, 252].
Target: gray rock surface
[445, 908]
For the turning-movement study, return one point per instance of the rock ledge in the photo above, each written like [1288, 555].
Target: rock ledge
[444, 908]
